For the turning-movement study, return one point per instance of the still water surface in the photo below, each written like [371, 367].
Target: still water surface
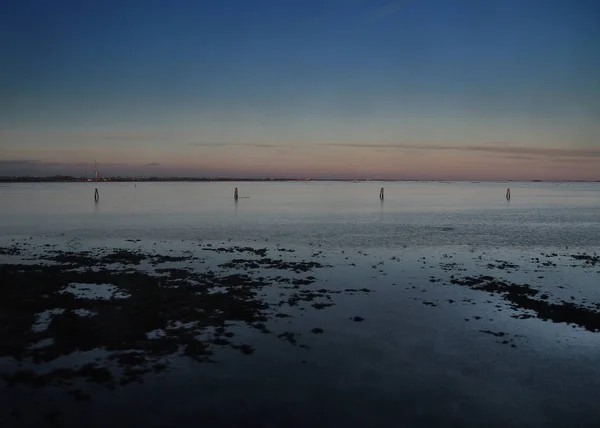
[408, 364]
[332, 213]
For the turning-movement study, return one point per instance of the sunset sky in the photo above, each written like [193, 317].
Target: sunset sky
[406, 89]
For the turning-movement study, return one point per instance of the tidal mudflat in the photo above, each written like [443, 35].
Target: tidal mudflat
[86, 325]
[307, 317]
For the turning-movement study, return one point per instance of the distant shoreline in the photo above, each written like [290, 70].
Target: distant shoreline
[68, 179]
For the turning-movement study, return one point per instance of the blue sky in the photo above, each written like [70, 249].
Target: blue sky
[331, 88]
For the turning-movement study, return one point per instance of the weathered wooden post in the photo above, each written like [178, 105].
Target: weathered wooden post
[235, 194]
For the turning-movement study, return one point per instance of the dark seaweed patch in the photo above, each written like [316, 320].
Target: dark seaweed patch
[156, 317]
[523, 297]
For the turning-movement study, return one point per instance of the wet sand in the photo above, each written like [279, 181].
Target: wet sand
[253, 334]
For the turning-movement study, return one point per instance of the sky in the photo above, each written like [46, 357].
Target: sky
[392, 89]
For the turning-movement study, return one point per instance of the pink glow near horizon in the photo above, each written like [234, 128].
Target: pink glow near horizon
[317, 161]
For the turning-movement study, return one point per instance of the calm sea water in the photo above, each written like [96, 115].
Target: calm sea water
[408, 364]
[331, 213]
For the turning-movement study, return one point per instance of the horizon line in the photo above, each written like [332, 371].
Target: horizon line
[69, 178]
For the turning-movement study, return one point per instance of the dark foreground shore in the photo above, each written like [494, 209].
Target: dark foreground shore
[80, 329]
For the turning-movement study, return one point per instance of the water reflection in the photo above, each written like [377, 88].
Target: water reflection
[289, 212]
